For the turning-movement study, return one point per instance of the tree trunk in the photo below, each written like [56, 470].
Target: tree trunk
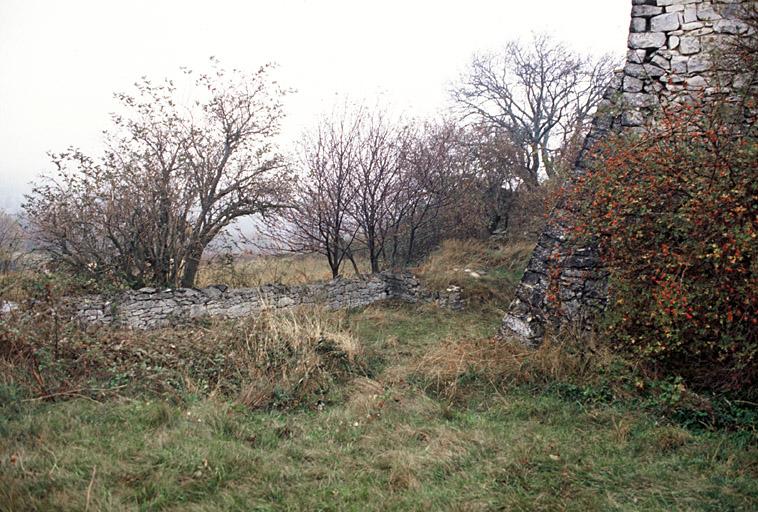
[373, 254]
[349, 255]
[534, 168]
[411, 243]
[191, 267]
[332, 256]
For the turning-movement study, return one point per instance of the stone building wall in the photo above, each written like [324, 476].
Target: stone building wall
[150, 308]
[675, 52]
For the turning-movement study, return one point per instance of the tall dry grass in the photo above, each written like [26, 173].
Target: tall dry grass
[254, 271]
[273, 359]
[445, 266]
[501, 364]
[290, 357]
[486, 271]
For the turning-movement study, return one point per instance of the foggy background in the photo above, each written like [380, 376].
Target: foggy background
[61, 61]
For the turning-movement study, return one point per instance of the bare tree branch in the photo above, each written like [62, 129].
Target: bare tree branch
[171, 180]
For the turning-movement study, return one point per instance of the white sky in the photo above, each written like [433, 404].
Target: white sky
[61, 60]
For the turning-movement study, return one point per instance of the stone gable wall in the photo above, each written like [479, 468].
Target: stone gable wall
[150, 308]
[674, 50]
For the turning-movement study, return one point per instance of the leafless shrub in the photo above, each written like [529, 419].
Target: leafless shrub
[170, 181]
[372, 185]
[319, 217]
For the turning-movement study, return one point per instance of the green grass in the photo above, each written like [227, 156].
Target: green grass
[395, 331]
[387, 437]
[399, 450]
[387, 445]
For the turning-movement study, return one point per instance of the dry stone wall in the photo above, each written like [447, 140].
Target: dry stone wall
[675, 49]
[150, 308]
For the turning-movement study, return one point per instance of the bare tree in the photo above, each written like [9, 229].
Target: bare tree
[368, 184]
[170, 181]
[433, 177]
[495, 160]
[377, 208]
[318, 219]
[539, 96]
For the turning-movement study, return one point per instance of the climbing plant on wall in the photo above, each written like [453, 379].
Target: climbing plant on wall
[676, 213]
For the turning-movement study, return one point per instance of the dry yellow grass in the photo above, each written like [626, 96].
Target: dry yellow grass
[486, 271]
[469, 262]
[294, 352]
[259, 270]
[503, 363]
[454, 257]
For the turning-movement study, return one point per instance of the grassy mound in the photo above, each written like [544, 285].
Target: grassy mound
[275, 359]
[487, 272]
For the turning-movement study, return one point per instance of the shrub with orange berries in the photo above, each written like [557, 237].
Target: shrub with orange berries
[675, 213]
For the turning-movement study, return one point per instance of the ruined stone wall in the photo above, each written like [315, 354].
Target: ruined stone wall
[675, 49]
[150, 308]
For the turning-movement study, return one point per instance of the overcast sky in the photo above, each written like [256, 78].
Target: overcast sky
[61, 61]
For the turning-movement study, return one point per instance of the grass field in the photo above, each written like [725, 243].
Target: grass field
[290, 269]
[391, 407]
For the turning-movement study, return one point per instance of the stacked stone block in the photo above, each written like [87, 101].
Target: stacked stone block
[675, 49]
[150, 308]
[674, 52]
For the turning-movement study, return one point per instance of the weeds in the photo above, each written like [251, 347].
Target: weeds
[391, 407]
[277, 359]
[487, 272]
[591, 374]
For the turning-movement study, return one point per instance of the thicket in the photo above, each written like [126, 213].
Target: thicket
[675, 212]
[393, 190]
[174, 175]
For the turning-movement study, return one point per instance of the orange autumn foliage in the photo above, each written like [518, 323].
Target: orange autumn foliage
[675, 212]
